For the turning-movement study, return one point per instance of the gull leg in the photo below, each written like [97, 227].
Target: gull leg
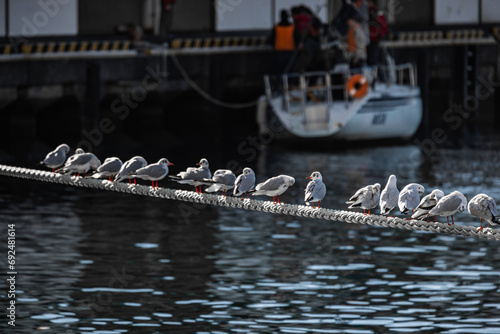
[481, 224]
[448, 220]
[279, 199]
[452, 220]
[319, 204]
[274, 201]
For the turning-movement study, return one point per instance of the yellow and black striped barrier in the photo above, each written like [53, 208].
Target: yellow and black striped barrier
[66, 47]
[219, 42]
[439, 37]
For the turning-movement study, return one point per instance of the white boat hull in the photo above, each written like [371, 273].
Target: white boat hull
[386, 113]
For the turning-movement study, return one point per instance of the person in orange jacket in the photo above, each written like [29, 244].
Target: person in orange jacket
[284, 40]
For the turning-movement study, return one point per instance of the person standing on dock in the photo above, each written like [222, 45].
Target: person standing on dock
[167, 14]
[283, 41]
[308, 28]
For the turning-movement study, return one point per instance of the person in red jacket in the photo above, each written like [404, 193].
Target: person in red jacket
[167, 13]
[378, 29]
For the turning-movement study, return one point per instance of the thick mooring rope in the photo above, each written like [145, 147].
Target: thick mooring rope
[251, 204]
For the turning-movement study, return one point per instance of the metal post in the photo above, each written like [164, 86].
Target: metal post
[303, 91]
[328, 83]
[286, 94]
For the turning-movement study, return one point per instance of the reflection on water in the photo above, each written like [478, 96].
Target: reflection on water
[97, 262]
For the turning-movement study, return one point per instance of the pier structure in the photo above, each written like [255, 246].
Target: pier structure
[90, 56]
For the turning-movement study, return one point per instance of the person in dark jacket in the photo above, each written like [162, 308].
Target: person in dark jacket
[167, 14]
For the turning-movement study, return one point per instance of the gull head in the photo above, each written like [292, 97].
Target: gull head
[315, 176]
[289, 181]
[203, 163]
[248, 171]
[164, 161]
[63, 147]
[437, 194]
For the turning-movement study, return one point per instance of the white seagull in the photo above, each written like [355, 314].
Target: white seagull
[223, 180]
[194, 175]
[153, 172]
[409, 197]
[56, 158]
[274, 187]
[426, 204]
[315, 190]
[109, 168]
[365, 198]
[484, 207]
[129, 167]
[449, 205]
[389, 196]
[244, 182]
[81, 163]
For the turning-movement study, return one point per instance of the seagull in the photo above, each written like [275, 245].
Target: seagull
[274, 187]
[449, 205]
[129, 167]
[81, 163]
[484, 207]
[365, 198]
[409, 197]
[153, 172]
[109, 168]
[194, 175]
[426, 204]
[222, 180]
[56, 158]
[389, 196]
[244, 182]
[315, 190]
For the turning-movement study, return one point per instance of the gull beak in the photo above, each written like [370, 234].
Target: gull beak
[198, 163]
[171, 164]
[308, 177]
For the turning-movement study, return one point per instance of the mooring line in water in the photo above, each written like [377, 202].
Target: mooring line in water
[251, 204]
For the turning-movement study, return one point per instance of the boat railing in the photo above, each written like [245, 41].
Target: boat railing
[325, 87]
[402, 74]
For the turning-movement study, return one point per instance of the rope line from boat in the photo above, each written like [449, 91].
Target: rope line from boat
[206, 95]
[251, 204]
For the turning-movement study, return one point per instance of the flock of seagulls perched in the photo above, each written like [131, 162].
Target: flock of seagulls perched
[434, 204]
[368, 198]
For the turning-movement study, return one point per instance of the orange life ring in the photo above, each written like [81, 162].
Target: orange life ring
[357, 86]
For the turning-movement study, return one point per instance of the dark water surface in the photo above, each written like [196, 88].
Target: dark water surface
[90, 261]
